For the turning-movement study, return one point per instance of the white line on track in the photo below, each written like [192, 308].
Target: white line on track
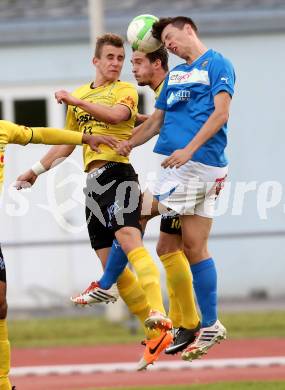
[164, 365]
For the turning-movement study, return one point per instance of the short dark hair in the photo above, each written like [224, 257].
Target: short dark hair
[107, 39]
[178, 21]
[160, 54]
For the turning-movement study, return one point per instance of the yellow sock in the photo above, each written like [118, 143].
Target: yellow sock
[4, 356]
[174, 312]
[148, 276]
[134, 297]
[179, 278]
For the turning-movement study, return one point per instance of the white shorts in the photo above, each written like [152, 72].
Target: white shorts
[190, 189]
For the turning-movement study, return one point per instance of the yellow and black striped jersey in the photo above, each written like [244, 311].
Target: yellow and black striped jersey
[77, 119]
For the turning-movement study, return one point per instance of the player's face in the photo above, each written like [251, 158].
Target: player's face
[110, 63]
[142, 68]
[177, 40]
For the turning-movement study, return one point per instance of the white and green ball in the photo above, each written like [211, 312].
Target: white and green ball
[140, 36]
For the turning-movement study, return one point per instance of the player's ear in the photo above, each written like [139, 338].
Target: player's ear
[188, 28]
[95, 61]
[157, 63]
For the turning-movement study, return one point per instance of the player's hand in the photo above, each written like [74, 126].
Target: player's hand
[177, 158]
[124, 148]
[140, 118]
[95, 140]
[63, 96]
[26, 180]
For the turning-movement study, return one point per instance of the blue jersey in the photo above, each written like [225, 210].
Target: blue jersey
[187, 98]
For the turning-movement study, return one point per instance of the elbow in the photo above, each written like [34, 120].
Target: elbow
[115, 116]
[223, 117]
[114, 120]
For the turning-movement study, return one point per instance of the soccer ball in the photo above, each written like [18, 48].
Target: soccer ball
[139, 34]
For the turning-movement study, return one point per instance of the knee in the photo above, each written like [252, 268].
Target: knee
[195, 250]
[160, 249]
[163, 248]
[129, 238]
[3, 310]
[168, 243]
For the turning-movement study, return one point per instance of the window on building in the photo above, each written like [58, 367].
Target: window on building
[141, 105]
[31, 112]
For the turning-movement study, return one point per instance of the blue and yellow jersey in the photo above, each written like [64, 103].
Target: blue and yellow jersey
[77, 119]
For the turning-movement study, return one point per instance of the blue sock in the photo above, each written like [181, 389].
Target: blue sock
[116, 263]
[205, 286]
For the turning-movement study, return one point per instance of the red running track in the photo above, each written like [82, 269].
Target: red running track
[132, 353]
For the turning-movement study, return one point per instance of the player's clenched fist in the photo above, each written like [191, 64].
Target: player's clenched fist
[63, 96]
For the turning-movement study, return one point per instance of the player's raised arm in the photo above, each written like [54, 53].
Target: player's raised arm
[113, 115]
[22, 135]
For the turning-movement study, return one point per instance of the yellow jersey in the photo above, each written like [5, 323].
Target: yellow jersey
[118, 92]
[158, 89]
[2, 150]
[10, 133]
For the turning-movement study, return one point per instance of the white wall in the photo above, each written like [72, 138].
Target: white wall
[48, 275]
